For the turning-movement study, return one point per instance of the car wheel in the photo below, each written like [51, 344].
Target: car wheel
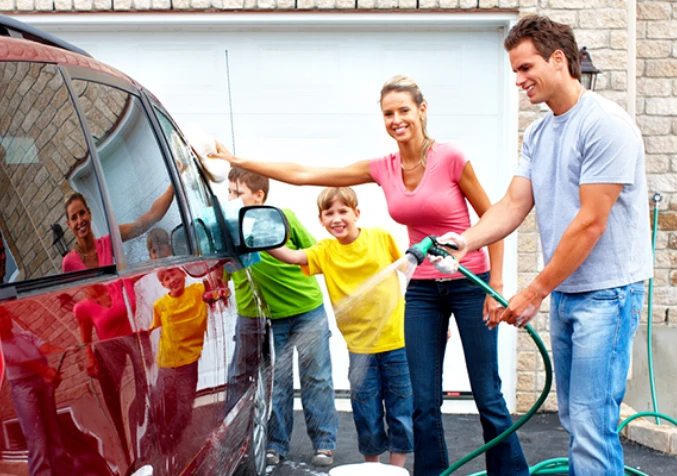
[254, 463]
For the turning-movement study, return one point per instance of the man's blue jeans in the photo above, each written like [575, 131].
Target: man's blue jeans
[429, 305]
[309, 333]
[591, 335]
[34, 404]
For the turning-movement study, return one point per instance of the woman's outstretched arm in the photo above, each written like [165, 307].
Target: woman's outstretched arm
[296, 174]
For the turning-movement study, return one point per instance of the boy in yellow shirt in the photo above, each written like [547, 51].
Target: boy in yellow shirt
[181, 315]
[373, 332]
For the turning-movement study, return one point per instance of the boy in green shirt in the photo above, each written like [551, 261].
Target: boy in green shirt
[295, 306]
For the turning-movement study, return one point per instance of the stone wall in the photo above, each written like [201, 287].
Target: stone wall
[601, 25]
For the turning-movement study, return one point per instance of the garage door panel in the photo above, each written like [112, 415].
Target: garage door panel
[192, 66]
[312, 97]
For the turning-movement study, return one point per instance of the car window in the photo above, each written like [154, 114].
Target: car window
[134, 169]
[210, 235]
[43, 160]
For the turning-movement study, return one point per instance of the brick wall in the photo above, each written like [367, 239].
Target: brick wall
[601, 25]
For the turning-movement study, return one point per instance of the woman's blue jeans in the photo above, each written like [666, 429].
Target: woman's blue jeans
[309, 334]
[591, 335]
[429, 305]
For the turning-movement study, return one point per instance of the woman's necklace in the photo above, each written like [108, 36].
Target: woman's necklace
[420, 162]
[83, 254]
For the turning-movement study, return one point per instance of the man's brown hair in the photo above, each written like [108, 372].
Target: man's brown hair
[327, 196]
[254, 182]
[547, 37]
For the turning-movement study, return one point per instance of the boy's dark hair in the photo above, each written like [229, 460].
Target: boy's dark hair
[254, 182]
[327, 196]
[547, 36]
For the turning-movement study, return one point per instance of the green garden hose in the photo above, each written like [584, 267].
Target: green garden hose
[420, 251]
[649, 334]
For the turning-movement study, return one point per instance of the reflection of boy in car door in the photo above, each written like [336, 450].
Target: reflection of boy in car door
[181, 316]
[295, 306]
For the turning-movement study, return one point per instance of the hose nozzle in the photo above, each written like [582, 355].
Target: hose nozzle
[420, 249]
[428, 245]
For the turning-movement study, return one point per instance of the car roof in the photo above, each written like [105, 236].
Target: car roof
[18, 29]
[22, 42]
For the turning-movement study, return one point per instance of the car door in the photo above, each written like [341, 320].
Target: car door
[185, 342]
[239, 339]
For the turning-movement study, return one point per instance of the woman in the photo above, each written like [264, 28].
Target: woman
[90, 252]
[105, 310]
[426, 185]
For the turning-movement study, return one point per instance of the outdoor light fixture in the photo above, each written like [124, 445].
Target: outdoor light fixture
[588, 71]
[58, 240]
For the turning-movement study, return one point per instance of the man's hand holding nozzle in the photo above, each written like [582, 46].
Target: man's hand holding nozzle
[459, 248]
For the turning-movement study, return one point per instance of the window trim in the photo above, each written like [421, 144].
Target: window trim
[74, 72]
[45, 284]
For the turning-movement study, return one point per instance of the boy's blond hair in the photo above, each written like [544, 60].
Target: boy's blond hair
[327, 196]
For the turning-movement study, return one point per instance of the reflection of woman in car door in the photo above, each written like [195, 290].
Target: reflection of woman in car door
[104, 309]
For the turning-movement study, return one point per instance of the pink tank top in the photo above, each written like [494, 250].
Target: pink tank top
[111, 320]
[435, 207]
[73, 262]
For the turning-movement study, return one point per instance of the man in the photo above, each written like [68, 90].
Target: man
[582, 167]
[32, 382]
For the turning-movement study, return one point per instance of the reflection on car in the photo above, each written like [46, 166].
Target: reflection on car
[121, 351]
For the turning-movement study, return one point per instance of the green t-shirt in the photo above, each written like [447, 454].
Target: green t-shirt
[284, 287]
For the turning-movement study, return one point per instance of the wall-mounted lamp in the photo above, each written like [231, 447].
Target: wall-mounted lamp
[588, 71]
[57, 239]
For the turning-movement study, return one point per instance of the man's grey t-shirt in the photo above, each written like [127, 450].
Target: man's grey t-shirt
[594, 142]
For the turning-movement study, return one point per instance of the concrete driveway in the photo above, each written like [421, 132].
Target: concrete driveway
[542, 438]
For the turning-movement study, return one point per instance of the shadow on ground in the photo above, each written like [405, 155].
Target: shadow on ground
[542, 438]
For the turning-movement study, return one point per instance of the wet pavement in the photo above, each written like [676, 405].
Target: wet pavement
[542, 438]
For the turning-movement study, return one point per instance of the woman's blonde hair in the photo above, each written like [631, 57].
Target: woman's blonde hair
[403, 84]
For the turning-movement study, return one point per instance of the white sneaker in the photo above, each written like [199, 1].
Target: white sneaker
[323, 458]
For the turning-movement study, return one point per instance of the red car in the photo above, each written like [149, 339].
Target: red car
[121, 348]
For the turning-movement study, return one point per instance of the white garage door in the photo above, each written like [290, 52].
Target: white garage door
[311, 96]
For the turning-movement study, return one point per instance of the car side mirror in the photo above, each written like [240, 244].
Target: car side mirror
[262, 227]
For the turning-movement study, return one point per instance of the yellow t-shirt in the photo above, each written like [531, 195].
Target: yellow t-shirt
[184, 321]
[369, 307]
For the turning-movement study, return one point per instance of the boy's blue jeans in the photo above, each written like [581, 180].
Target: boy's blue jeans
[309, 334]
[591, 335]
[375, 380]
[429, 305]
